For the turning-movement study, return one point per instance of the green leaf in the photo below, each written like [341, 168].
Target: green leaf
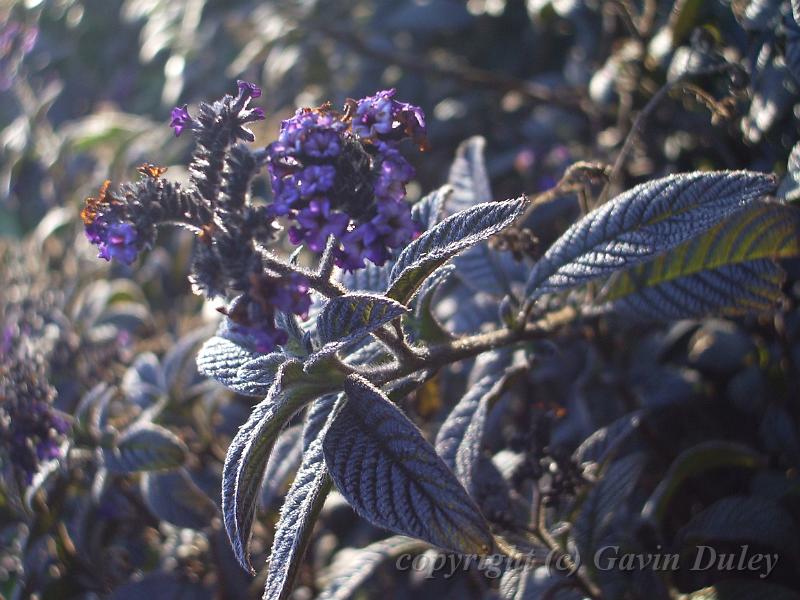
[642, 223]
[146, 447]
[745, 519]
[393, 477]
[456, 233]
[351, 317]
[729, 270]
[692, 462]
[250, 449]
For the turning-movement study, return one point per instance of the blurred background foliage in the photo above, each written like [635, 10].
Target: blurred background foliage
[86, 88]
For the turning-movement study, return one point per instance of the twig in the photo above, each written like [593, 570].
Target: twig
[573, 180]
[638, 124]
[321, 282]
[447, 353]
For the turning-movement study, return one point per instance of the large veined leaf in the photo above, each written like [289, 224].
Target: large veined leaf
[352, 569]
[428, 211]
[605, 500]
[729, 270]
[283, 461]
[743, 519]
[468, 176]
[145, 447]
[393, 478]
[460, 436]
[692, 462]
[256, 376]
[480, 268]
[641, 223]
[456, 233]
[349, 318]
[220, 357]
[298, 515]
[372, 278]
[496, 272]
[249, 451]
[173, 497]
[227, 359]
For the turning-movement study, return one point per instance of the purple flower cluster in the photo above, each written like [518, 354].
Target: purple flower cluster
[341, 175]
[31, 431]
[107, 228]
[253, 315]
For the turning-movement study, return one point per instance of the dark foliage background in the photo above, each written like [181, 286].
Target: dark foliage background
[86, 88]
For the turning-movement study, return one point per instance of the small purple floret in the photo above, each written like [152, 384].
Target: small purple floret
[180, 119]
[118, 242]
[251, 89]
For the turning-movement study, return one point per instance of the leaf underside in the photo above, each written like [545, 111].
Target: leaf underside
[237, 367]
[298, 515]
[349, 318]
[249, 452]
[393, 478]
[453, 235]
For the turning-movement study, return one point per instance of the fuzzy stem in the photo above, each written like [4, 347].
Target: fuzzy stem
[326, 262]
[447, 353]
[406, 355]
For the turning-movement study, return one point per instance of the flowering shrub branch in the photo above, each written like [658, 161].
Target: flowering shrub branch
[371, 331]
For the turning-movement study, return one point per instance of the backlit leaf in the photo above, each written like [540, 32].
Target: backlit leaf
[427, 212]
[641, 223]
[468, 176]
[729, 270]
